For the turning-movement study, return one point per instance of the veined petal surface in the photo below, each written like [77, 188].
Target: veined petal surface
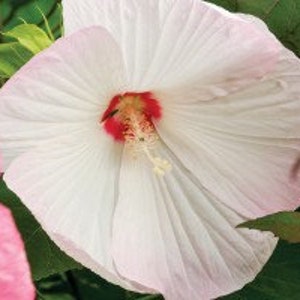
[231, 156]
[15, 278]
[166, 43]
[61, 91]
[50, 137]
[242, 147]
[175, 236]
[71, 186]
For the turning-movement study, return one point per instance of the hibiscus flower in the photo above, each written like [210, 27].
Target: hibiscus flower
[145, 135]
[15, 279]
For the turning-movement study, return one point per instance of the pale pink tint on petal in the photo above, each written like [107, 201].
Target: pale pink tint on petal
[70, 185]
[166, 43]
[242, 146]
[176, 237]
[15, 278]
[62, 91]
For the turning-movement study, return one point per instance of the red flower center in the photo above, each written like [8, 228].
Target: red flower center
[129, 119]
[130, 116]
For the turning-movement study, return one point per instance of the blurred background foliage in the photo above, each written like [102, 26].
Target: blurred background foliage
[59, 277]
[15, 12]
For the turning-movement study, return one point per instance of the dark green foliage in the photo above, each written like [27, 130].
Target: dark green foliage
[12, 56]
[282, 17]
[13, 13]
[279, 279]
[285, 225]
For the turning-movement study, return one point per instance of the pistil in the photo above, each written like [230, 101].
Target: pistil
[129, 119]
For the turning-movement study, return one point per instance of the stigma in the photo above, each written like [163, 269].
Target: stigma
[129, 119]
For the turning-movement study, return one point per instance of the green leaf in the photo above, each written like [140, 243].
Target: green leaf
[285, 225]
[30, 36]
[30, 11]
[12, 57]
[91, 286]
[279, 279]
[44, 256]
[85, 285]
[282, 17]
[5, 11]
[55, 287]
[227, 4]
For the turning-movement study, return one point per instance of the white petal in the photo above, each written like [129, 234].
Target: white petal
[257, 22]
[173, 235]
[61, 91]
[165, 43]
[70, 186]
[242, 147]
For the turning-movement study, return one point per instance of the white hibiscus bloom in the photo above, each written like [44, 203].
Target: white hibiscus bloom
[144, 88]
